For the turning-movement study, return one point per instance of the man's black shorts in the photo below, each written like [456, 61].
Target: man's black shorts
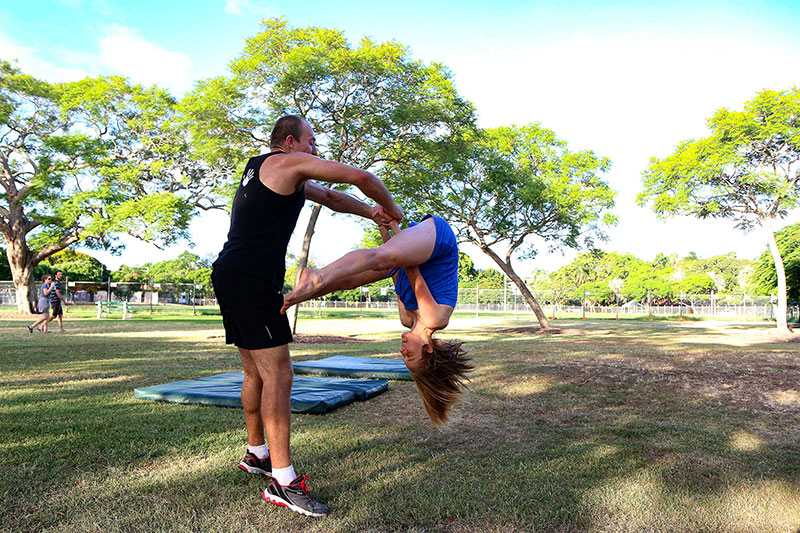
[251, 310]
[55, 308]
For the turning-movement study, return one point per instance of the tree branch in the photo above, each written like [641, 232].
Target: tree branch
[49, 250]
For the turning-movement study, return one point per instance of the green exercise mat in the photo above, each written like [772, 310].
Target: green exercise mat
[310, 395]
[355, 367]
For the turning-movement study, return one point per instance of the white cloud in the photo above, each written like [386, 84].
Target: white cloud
[10, 50]
[123, 51]
[28, 61]
[247, 7]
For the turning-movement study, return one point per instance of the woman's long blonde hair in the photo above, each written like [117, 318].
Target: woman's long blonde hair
[441, 378]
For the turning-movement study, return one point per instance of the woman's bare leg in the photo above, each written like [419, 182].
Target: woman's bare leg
[42, 318]
[410, 247]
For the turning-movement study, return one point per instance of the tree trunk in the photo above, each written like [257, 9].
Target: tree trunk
[19, 260]
[509, 271]
[303, 259]
[780, 271]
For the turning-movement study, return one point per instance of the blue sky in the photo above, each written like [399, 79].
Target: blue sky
[628, 80]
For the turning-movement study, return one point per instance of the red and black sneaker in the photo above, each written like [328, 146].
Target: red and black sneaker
[294, 496]
[252, 464]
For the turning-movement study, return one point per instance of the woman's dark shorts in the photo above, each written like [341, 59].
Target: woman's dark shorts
[251, 310]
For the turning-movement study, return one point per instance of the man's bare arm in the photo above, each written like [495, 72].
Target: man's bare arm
[307, 166]
[337, 200]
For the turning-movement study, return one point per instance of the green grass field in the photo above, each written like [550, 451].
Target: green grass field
[609, 426]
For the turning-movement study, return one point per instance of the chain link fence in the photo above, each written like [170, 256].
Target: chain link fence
[157, 296]
[154, 297]
[728, 306]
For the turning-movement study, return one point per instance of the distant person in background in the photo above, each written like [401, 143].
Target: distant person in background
[57, 301]
[43, 304]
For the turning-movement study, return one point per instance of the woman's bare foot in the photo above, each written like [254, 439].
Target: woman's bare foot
[309, 283]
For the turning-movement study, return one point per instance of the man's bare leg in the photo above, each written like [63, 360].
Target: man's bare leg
[42, 318]
[60, 325]
[275, 370]
[251, 399]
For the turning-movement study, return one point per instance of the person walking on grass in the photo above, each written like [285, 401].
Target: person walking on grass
[423, 262]
[248, 278]
[43, 306]
[57, 301]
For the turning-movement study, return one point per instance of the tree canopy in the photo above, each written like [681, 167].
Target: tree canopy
[186, 268]
[368, 104]
[510, 190]
[746, 171]
[76, 266]
[85, 161]
[764, 276]
[605, 275]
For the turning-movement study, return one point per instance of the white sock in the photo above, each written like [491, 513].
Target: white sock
[262, 452]
[284, 475]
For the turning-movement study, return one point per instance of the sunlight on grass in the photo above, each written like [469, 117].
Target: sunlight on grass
[644, 503]
[761, 506]
[735, 334]
[529, 385]
[95, 365]
[356, 327]
[186, 334]
[80, 382]
[626, 504]
[167, 471]
[743, 441]
[786, 398]
[603, 450]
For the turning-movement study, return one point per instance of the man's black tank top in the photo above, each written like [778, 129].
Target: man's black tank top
[262, 222]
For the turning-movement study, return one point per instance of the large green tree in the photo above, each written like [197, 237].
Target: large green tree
[725, 271]
[745, 171]
[82, 162]
[186, 268]
[764, 276]
[504, 187]
[76, 266]
[595, 272]
[368, 104]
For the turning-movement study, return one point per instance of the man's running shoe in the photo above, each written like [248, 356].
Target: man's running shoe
[294, 496]
[252, 464]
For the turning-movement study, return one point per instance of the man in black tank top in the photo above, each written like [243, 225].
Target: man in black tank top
[248, 278]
